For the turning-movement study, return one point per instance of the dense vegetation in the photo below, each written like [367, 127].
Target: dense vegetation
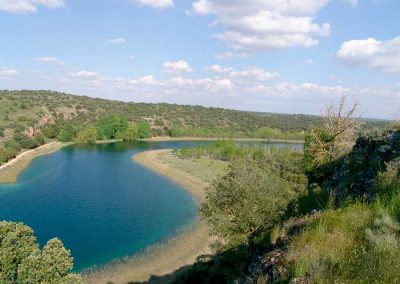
[330, 215]
[22, 261]
[31, 118]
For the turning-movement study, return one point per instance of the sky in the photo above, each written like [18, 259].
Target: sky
[284, 56]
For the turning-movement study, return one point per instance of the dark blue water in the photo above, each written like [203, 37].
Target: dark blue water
[99, 202]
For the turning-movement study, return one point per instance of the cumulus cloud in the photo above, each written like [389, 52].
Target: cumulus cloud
[49, 59]
[116, 41]
[218, 69]
[263, 25]
[29, 6]
[253, 74]
[371, 53]
[180, 66]
[155, 3]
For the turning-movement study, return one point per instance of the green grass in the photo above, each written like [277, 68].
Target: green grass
[204, 168]
[356, 244]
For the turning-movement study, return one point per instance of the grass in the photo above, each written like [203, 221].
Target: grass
[204, 168]
[356, 244]
[10, 171]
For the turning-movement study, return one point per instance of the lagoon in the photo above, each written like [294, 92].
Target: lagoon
[99, 202]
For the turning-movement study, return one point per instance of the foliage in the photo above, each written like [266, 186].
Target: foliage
[227, 150]
[250, 198]
[328, 143]
[111, 125]
[24, 141]
[88, 135]
[67, 133]
[130, 134]
[21, 260]
[50, 131]
[353, 175]
[144, 130]
[359, 244]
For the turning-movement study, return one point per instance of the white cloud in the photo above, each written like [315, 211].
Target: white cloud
[49, 59]
[155, 3]
[371, 53]
[253, 74]
[29, 6]
[180, 66]
[8, 72]
[85, 74]
[218, 69]
[116, 41]
[248, 89]
[262, 25]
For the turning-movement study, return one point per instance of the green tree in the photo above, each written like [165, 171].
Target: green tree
[249, 199]
[67, 133]
[21, 260]
[144, 130]
[88, 135]
[112, 125]
[24, 141]
[131, 133]
[50, 131]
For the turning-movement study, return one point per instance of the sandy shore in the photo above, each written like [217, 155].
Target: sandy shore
[10, 171]
[167, 138]
[177, 252]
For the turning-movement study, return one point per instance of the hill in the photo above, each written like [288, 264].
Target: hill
[30, 118]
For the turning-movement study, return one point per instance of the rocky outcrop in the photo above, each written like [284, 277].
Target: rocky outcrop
[354, 174]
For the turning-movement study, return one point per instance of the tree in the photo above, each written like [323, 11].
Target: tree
[247, 200]
[50, 131]
[88, 135]
[130, 134]
[144, 130]
[21, 260]
[24, 141]
[109, 126]
[67, 133]
[327, 143]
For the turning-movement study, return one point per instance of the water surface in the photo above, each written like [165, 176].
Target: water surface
[98, 201]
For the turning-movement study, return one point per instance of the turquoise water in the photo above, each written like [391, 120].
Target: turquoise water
[99, 202]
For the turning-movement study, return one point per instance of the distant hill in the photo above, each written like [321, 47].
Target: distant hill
[20, 110]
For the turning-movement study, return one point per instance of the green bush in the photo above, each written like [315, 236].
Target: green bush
[245, 202]
[24, 141]
[22, 261]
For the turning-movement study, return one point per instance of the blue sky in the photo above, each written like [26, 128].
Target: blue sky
[263, 55]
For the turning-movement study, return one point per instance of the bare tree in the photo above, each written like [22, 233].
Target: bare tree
[337, 134]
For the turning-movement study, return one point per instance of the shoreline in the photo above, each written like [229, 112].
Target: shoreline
[187, 138]
[182, 250]
[10, 171]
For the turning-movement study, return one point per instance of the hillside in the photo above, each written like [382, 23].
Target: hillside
[20, 110]
[27, 108]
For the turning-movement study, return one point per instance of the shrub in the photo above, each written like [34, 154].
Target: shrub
[24, 141]
[248, 200]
